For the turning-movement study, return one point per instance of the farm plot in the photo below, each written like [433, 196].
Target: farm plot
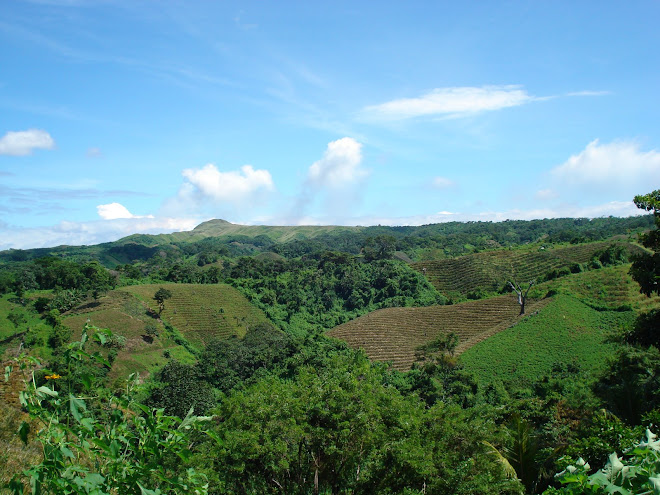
[393, 334]
[489, 271]
[566, 331]
[606, 288]
[125, 315]
[203, 312]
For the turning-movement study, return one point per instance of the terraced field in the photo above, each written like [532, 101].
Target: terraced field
[606, 288]
[203, 312]
[489, 271]
[393, 334]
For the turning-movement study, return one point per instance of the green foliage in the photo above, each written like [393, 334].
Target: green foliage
[102, 444]
[181, 389]
[637, 472]
[631, 384]
[160, 297]
[339, 430]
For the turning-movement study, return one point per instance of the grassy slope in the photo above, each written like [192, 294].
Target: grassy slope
[203, 312]
[220, 228]
[194, 310]
[489, 271]
[565, 331]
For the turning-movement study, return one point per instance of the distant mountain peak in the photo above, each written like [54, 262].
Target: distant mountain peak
[217, 222]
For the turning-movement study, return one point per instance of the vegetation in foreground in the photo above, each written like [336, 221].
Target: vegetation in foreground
[283, 409]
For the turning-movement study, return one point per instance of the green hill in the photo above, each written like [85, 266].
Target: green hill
[199, 313]
[565, 331]
[488, 272]
[394, 334]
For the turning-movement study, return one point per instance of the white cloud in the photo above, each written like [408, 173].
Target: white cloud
[442, 183]
[340, 165]
[114, 211]
[233, 186]
[21, 143]
[617, 164]
[85, 233]
[453, 101]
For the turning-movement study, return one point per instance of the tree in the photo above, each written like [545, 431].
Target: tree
[645, 269]
[522, 297]
[160, 296]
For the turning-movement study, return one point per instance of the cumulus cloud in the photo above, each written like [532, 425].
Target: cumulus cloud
[233, 186]
[21, 143]
[114, 211]
[453, 101]
[442, 183]
[617, 164]
[340, 165]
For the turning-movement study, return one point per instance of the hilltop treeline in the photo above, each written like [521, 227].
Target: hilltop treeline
[433, 241]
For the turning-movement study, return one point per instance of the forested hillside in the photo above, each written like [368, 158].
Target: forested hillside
[235, 359]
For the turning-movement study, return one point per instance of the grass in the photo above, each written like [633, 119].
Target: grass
[565, 331]
[393, 334]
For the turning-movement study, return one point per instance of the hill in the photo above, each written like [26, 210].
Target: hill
[488, 272]
[394, 334]
[196, 313]
[566, 331]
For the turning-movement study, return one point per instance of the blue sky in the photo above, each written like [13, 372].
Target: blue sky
[141, 116]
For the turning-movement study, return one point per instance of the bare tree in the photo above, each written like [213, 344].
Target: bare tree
[522, 297]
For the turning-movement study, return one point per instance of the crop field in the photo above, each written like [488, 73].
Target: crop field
[202, 312]
[489, 271]
[125, 315]
[607, 288]
[393, 334]
[565, 331]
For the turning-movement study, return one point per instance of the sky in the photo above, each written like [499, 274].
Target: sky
[125, 116]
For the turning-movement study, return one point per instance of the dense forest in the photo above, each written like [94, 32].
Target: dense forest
[266, 402]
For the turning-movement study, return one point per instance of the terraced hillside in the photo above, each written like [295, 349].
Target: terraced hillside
[128, 317]
[607, 288]
[489, 271]
[393, 334]
[203, 312]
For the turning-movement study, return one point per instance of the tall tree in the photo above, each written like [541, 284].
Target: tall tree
[645, 269]
[160, 297]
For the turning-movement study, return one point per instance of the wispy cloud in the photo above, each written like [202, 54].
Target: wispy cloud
[589, 93]
[21, 143]
[442, 183]
[453, 101]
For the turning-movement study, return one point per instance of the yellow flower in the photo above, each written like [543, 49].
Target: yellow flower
[54, 376]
